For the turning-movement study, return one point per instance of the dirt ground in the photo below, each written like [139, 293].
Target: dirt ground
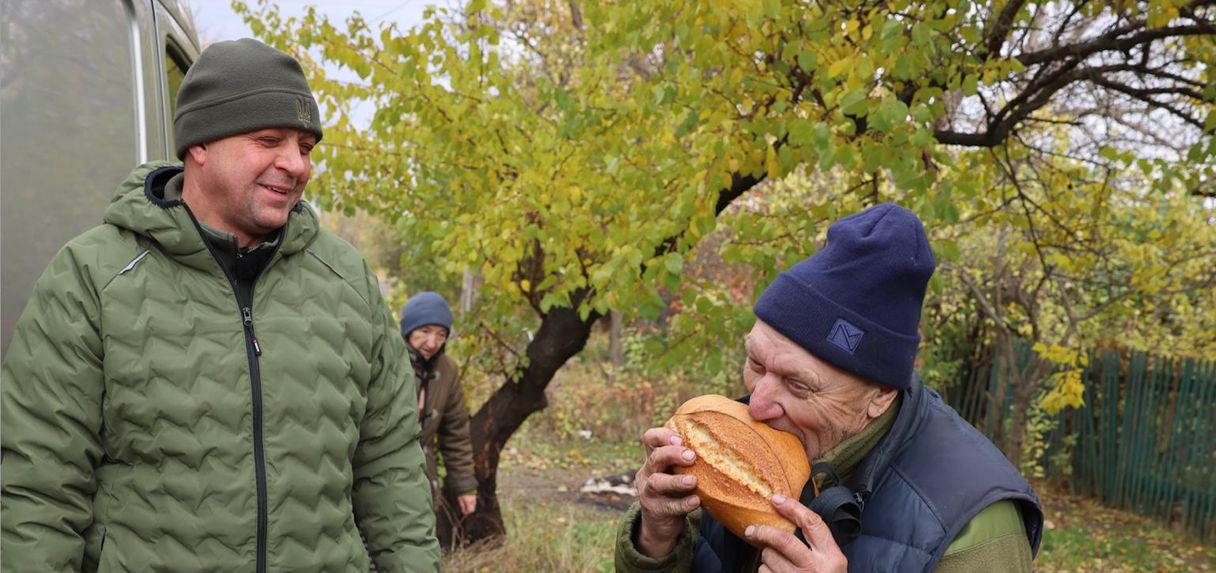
[557, 484]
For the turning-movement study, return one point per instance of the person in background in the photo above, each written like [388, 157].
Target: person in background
[209, 381]
[906, 484]
[426, 325]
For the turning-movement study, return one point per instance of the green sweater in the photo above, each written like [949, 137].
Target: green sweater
[152, 423]
[993, 541]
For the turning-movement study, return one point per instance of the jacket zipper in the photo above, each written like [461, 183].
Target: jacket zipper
[247, 318]
[253, 351]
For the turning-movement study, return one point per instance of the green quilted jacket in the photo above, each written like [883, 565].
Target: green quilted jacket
[151, 424]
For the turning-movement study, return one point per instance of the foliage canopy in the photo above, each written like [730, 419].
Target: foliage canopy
[570, 148]
[591, 156]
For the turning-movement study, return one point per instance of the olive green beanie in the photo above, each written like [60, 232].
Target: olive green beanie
[239, 87]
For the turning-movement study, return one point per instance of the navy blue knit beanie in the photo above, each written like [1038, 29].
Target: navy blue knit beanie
[856, 303]
[423, 309]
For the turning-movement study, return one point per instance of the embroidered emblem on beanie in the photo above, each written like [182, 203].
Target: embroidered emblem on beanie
[303, 111]
[845, 335]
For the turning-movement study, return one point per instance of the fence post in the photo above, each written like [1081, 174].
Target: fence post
[1110, 424]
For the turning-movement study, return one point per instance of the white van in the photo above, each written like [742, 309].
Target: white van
[87, 89]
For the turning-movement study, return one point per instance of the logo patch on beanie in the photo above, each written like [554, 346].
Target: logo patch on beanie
[303, 111]
[845, 335]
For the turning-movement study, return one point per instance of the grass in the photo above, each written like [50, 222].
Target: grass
[546, 532]
[549, 458]
[1085, 536]
[549, 531]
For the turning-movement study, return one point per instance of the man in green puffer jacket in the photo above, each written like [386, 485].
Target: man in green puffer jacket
[209, 381]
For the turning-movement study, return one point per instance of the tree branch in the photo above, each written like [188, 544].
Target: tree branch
[739, 184]
[1000, 30]
[1112, 42]
[1143, 95]
[1042, 89]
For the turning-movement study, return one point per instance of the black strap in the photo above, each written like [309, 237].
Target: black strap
[840, 511]
[836, 505]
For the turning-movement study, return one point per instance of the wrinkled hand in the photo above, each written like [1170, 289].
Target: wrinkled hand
[784, 553]
[665, 498]
[468, 504]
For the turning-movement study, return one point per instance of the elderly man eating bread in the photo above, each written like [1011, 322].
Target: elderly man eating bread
[899, 481]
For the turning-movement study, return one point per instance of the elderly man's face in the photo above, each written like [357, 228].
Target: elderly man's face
[794, 391]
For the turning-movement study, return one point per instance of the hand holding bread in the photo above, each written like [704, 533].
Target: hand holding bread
[740, 463]
[782, 552]
[665, 498]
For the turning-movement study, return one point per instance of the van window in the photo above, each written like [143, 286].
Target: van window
[175, 73]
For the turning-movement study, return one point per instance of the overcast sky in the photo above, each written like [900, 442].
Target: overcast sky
[215, 20]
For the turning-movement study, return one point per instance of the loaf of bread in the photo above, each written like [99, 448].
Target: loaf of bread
[740, 462]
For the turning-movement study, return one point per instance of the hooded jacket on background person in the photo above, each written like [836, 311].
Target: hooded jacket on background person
[445, 424]
[445, 420]
[150, 423]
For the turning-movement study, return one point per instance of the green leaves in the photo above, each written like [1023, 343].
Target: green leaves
[674, 262]
[890, 113]
[808, 62]
[587, 159]
[854, 102]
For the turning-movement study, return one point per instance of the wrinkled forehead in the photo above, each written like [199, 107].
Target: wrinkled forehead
[765, 337]
[766, 343]
[787, 357]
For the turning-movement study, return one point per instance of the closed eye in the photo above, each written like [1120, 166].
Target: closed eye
[798, 387]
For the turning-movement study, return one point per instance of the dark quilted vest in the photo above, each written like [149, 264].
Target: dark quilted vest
[922, 483]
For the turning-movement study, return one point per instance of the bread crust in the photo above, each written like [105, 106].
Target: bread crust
[740, 462]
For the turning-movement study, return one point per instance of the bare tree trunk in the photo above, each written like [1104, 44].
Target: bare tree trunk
[1022, 379]
[1030, 380]
[616, 354]
[467, 289]
[996, 396]
[1017, 414]
[562, 335]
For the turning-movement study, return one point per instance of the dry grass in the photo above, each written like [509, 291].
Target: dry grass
[545, 532]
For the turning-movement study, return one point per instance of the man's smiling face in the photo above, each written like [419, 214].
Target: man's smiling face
[248, 183]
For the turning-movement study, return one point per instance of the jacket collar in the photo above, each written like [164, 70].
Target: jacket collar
[142, 206]
[907, 423]
[423, 367]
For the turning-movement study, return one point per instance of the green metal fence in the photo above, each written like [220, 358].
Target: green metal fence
[1145, 440]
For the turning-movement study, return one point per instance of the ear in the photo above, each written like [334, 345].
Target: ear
[880, 401]
[198, 153]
